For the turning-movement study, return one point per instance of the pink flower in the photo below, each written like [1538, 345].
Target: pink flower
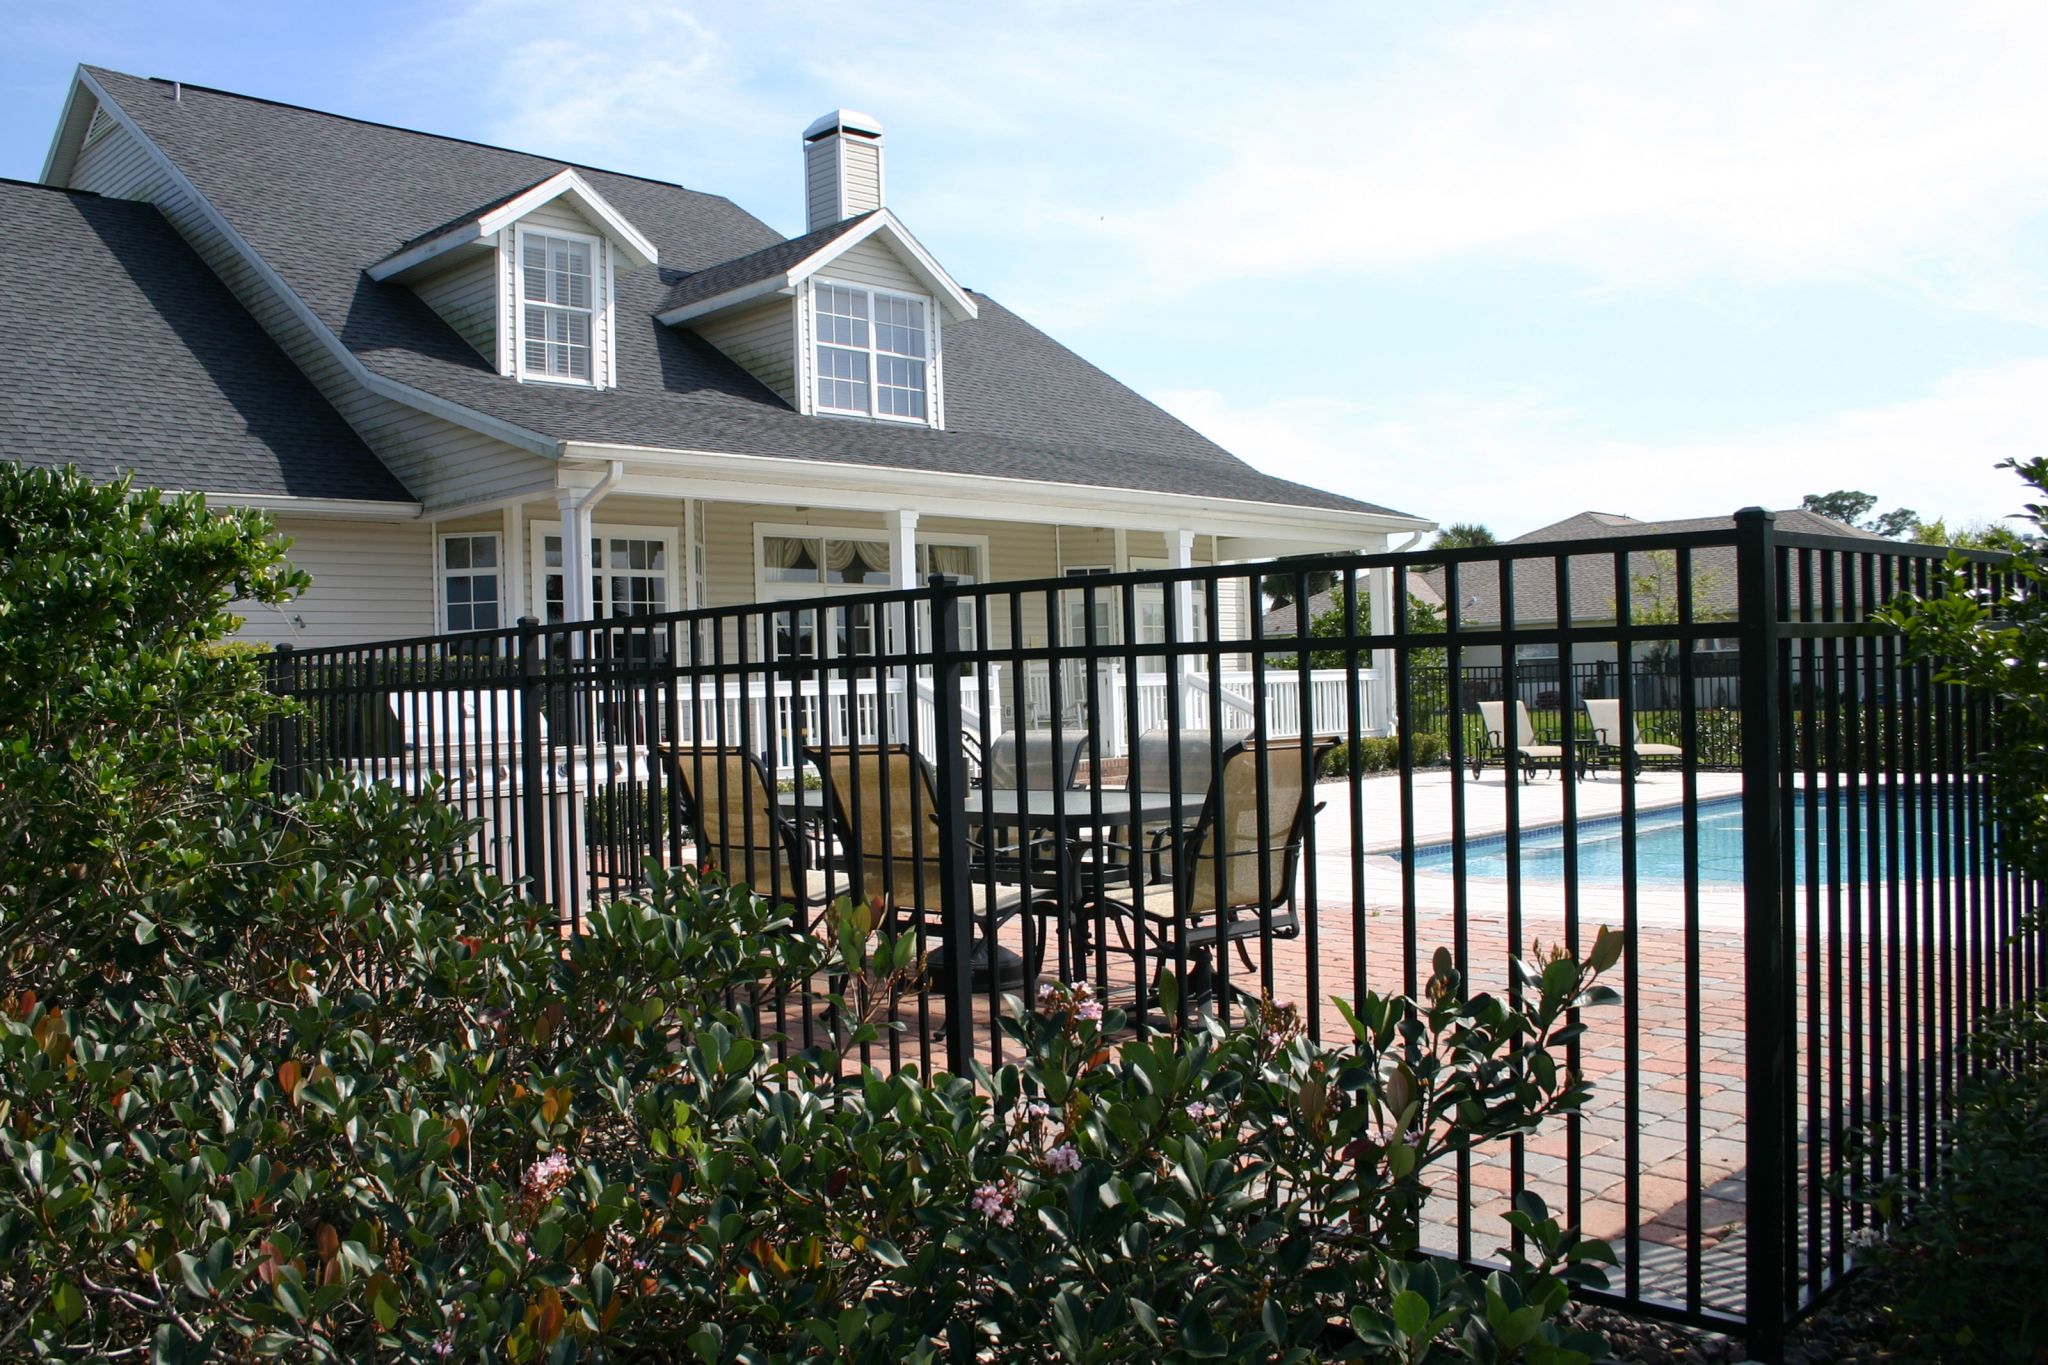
[996, 1202]
[1202, 1110]
[444, 1345]
[1064, 1159]
[545, 1178]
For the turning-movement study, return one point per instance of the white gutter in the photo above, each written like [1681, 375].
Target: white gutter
[765, 478]
[337, 509]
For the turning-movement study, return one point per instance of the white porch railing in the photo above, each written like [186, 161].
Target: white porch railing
[870, 711]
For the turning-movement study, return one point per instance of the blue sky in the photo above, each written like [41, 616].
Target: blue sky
[1478, 262]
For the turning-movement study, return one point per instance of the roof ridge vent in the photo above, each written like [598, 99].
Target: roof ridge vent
[842, 167]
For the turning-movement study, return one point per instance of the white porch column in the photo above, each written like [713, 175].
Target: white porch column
[1180, 554]
[1381, 583]
[576, 505]
[512, 561]
[575, 514]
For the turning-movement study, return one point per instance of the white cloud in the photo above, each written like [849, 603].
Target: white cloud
[1638, 143]
[1516, 463]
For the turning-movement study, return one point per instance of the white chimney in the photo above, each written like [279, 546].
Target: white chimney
[842, 167]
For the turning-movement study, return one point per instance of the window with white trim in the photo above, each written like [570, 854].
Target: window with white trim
[629, 575]
[873, 352]
[800, 563]
[557, 306]
[472, 594]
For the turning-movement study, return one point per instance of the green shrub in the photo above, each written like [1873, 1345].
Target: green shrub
[290, 1078]
[1967, 1259]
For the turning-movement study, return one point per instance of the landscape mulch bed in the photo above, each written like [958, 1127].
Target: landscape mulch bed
[1846, 1330]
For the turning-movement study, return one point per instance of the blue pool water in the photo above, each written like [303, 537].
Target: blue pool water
[1660, 846]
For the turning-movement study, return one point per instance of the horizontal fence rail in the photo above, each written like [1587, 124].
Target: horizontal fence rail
[1108, 778]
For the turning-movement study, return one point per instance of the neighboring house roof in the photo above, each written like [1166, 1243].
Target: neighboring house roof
[321, 198]
[1593, 590]
[132, 357]
[1280, 620]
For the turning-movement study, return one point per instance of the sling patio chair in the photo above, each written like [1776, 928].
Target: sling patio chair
[1031, 761]
[1605, 718]
[1232, 878]
[742, 830]
[883, 807]
[1518, 751]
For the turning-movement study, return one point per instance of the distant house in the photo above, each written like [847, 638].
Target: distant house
[474, 384]
[1652, 590]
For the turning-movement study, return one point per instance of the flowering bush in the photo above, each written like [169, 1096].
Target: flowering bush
[289, 1079]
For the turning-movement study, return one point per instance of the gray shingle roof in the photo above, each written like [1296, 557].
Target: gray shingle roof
[322, 197]
[132, 356]
[1593, 589]
[764, 264]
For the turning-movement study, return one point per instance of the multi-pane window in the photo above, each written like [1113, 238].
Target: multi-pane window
[874, 351]
[469, 582]
[628, 576]
[558, 306]
[809, 566]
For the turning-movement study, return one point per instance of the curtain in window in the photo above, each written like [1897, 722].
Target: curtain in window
[956, 560]
[784, 552]
[840, 553]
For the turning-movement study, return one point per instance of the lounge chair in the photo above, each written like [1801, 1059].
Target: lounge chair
[741, 829]
[1518, 751]
[1232, 877]
[1605, 717]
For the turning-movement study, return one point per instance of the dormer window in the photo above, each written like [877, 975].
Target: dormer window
[873, 351]
[557, 303]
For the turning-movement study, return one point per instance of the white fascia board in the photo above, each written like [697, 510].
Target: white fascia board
[772, 479]
[958, 305]
[623, 234]
[731, 298]
[433, 404]
[397, 267]
[64, 143]
[334, 509]
[564, 183]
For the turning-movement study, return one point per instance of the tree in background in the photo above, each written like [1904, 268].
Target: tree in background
[1282, 586]
[1971, 535]
[1463, 535]
[1852, 507]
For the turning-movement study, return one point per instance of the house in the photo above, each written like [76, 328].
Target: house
[1652, 589]
[473, 384]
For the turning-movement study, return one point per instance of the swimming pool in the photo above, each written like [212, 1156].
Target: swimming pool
[1660, 845]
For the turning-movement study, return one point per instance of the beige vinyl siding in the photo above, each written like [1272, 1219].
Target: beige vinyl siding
[372, 580]
[439, 462]
[874, 265]
[117, 164]
[761, 341]
[861, 165]
[467, 300]
[821, 184]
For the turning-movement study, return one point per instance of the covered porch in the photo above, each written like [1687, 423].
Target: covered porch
[624, 539]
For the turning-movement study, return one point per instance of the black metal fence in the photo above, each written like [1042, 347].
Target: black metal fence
[1816, 913]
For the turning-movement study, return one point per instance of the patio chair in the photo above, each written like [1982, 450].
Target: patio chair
[1232, 877]
[1605, 717]
[1152, 770]
[741, 829]
[1516, 751]
[1043, 766]
[883, 807]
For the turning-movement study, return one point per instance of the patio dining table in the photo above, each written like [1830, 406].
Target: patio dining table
[1078, 821]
